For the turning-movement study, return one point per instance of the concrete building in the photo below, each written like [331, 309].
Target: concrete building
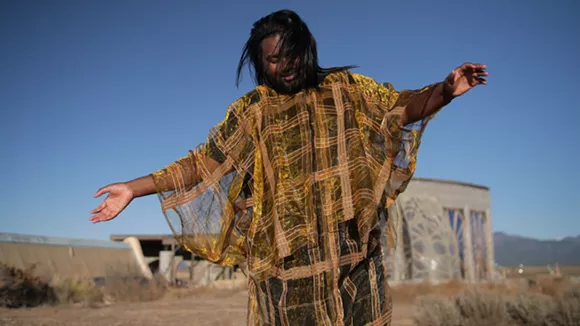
[66, 257]
[445, 230]
[162, 254]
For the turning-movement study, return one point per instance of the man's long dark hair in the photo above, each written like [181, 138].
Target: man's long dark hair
[296, 43]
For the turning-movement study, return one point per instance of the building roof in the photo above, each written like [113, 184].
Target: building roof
[460, 183]
[59, 241]
[165, 239]
[143, 237]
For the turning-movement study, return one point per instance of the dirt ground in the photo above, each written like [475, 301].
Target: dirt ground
[217, 307]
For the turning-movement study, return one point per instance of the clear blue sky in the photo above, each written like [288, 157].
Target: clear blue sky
[94, 92]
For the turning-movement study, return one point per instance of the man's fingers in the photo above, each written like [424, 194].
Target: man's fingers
[99, 218]
[109, 213]
[102, 191]
[479, 76]
[478, 67]
[481, 80]
[99, 208]
[96, 218]
[104, 215]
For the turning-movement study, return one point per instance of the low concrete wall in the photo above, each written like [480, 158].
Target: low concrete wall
[68, 257]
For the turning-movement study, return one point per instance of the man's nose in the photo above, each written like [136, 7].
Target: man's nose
[287, 65]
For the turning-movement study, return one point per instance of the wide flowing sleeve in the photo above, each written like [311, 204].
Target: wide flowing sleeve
[204, 196]
[391, 146]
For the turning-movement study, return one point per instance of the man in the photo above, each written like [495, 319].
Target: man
[295, 179]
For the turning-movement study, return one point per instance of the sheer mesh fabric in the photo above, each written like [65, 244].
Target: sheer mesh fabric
[294, 186]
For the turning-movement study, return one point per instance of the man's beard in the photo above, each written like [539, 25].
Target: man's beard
[286, 87]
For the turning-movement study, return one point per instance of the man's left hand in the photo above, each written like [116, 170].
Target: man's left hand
[464, 78]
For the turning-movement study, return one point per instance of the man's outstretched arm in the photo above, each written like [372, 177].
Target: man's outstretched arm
[458, 82]
[121, 194]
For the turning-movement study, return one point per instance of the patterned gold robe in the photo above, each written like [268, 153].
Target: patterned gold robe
[301, 185]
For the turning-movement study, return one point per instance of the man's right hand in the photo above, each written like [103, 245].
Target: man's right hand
[120, 195]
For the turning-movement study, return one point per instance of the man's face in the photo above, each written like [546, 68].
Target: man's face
[285, 77]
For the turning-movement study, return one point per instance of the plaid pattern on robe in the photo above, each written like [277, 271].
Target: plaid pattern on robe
[300, 185]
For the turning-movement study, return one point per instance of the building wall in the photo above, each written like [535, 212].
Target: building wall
[449, 193]
[444, 232]
[67, 257]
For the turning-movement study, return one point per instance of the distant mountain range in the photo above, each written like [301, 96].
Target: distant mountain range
[512, 250]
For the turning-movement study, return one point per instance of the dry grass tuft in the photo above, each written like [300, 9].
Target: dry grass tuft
[436, 311]
[125, 283]
[408, 293]
[20, 288]
[552, 286]
[547, 303]
[531, 309]
[77, 291]
[567, 310]
[479, 308]
[133, 289]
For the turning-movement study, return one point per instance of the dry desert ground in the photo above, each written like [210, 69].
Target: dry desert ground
[209, 307]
